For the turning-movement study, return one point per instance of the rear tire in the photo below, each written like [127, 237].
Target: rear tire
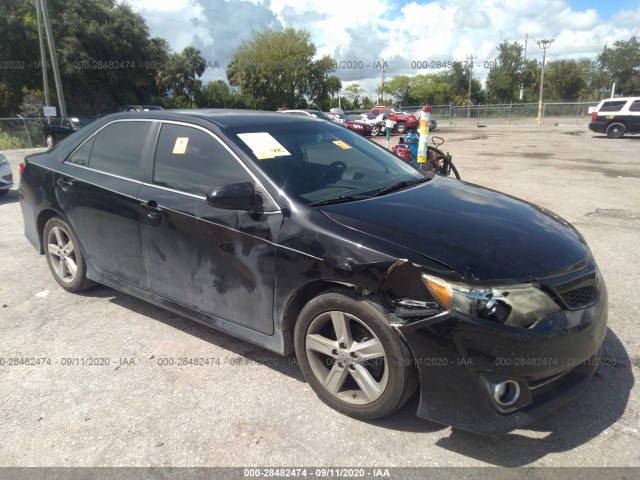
[64, 257]
[353, 360]
[616, 130]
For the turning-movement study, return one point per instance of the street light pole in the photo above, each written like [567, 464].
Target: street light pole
[543, 44]
[469, 92]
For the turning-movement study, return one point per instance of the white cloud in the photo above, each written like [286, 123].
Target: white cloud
[368, 30]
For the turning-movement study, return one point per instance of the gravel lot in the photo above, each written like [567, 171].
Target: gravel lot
[252, 407]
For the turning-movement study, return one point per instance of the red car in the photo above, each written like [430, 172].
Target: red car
[404, 121]
[361, 128]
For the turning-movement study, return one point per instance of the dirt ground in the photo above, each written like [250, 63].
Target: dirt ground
[125, 408]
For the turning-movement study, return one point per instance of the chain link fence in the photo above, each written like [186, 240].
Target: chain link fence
[526, 114]
[18, 132]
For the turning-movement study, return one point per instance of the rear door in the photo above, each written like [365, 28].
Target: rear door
[633, 125]
[97, 188]
[220, 262]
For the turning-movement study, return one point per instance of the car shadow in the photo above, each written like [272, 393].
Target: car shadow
[10, 197]
[626, 137]
[574, 424]
[236, 347]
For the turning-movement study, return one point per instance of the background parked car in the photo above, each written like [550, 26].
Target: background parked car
[616, 116]
[140, 108]
[6, 177]
[433, 124]
[377, 126]
[404, 121]
[314, 114]
[62, 127]
[359, 127]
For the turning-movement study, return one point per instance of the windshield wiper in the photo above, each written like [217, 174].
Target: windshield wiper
[340, 199]
[401, 185]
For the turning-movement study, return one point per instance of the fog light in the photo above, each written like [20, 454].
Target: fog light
[506, 393]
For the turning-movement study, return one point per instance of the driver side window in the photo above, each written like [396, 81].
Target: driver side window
[191, 160]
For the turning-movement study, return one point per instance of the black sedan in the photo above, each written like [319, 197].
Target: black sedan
[62, 127]
[301, 236]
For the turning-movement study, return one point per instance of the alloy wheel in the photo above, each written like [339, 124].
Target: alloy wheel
[61, 252]
[347, 358]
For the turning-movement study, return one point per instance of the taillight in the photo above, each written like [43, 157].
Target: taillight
[594, 117]
[21, 168]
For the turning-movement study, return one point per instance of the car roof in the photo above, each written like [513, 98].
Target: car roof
[220, 117]
[619, 99]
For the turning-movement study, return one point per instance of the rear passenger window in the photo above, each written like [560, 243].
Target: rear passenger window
[81, 155]
[613, 106]
[117, 148]
[190, 160]
[635, 106]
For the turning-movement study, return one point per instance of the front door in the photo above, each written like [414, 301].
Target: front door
[220, 262]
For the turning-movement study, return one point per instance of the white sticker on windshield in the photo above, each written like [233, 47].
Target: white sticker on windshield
[263, 145]
[180, 147]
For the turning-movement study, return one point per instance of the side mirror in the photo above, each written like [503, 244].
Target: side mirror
[234, 196]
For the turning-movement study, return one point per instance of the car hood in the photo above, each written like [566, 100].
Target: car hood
[483, 235]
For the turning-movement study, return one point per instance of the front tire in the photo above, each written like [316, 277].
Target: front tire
[65, 260]
[616, 130]
[352, 358]
[375, 130]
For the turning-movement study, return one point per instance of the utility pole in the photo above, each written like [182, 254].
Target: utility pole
[526, 42]
[543, 44]
[54, 58]
[470, 58]
[43, 57]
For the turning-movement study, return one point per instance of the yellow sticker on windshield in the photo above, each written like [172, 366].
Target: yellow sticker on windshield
[180, 147]
[342, 145]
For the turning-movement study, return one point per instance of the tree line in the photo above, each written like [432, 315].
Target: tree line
[108, 59]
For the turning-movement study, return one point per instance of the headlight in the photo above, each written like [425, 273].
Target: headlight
[358, 127]
[519, 305]
[3, 159]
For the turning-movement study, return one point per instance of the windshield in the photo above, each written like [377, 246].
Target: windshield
[316, 161]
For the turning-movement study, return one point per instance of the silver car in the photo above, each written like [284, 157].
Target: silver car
[6, 177]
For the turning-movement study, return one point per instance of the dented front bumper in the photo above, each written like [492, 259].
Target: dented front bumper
[462, 359]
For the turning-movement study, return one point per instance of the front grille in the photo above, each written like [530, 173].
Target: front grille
[8, 178]
[577, 290]
[580, 297]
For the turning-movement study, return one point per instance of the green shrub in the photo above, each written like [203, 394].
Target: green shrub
[8, 142]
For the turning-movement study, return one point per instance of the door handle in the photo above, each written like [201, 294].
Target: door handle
[152, 206]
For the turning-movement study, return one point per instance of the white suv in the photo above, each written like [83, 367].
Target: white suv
[616, 116]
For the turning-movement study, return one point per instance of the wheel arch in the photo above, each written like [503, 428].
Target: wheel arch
[310, 290]
[43, 217]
